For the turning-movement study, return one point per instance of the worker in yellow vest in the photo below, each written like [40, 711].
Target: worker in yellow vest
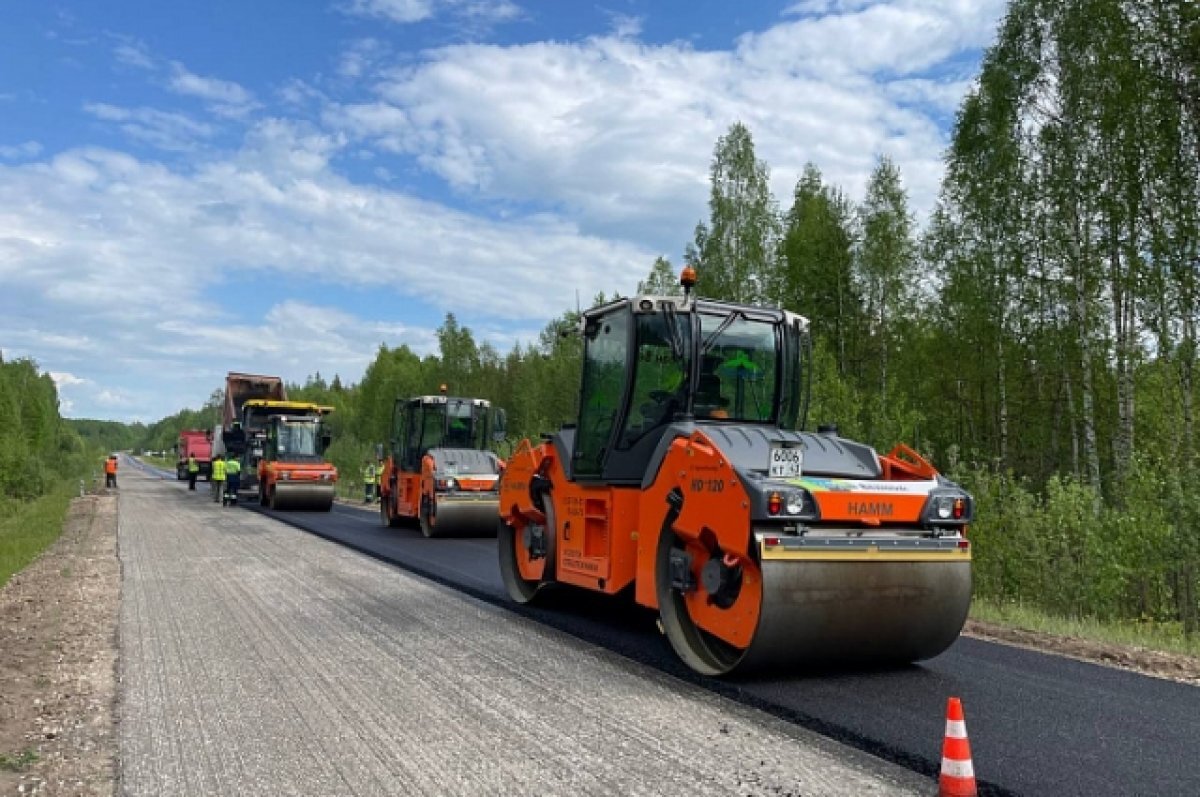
[368, 474]
[218, 479]
[233, 479]
[193, 470]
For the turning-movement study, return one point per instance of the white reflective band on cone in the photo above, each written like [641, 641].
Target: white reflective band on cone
[956, 729]
[958, 769]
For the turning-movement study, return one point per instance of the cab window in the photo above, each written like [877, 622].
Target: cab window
[737, 378]
[606, 347]
[660, 376]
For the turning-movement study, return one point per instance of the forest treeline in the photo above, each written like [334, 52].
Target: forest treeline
[38, 448]
[1036, 338]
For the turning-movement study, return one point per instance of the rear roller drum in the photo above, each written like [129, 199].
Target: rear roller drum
[527, 557]
[428, 517]
[709, 604]
[385, 513]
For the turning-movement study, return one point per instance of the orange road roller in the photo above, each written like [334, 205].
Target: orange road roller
[439, 471]
[689, 481]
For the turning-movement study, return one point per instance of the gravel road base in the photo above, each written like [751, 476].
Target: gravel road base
[256, 659]
[58, 653]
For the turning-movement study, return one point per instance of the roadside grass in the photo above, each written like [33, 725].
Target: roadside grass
[18, 762]
[1167, 637]
[29, 527]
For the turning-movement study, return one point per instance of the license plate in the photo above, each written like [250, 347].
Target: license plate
[785, 462]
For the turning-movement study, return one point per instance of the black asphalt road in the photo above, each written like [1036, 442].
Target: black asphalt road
[1038, 724]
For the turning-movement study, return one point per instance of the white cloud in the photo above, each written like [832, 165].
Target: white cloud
[360, 57]
[28, 149]
[126, 260]
[64, 379]
[409, 11]
[135, 54]
[619, 134]
[402, 11]
[164, 129]
[223, 96]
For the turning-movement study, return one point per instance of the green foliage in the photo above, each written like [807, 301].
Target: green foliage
[662, 280]
[735, 251]
[28, 527]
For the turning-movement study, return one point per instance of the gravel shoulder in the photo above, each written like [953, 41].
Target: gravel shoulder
[58, 650]
[258, 659]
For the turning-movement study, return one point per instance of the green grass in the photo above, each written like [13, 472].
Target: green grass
[1166, 637]
[29, 527]
[18, 762]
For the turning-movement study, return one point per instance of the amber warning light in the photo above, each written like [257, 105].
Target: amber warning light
[687, 277]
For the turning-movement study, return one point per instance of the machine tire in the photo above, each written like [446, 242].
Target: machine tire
[388, 521]
[520, 589]
[701, 651]
[179, 474]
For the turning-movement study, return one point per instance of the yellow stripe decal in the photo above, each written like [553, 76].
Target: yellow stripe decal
[864, 555]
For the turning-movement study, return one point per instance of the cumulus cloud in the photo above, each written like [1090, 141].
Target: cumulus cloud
[222, 96]
[164, 129]
[409, 11]
[124, 259]
[619, 133]
[135, 54]
[27, 149]
[64, 379]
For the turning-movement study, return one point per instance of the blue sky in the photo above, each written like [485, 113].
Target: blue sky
[283, 185]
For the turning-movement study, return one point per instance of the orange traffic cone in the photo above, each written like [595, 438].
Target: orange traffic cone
[958, 773]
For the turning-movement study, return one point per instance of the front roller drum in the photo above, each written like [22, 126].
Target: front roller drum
[721, 614]
[449, 517]
[290, 495]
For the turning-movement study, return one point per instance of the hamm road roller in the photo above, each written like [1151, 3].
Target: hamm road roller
[688, 479]
[440, 470]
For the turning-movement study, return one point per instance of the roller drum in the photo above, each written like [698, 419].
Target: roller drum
[290, 495]
[819, 612]
[466, 517]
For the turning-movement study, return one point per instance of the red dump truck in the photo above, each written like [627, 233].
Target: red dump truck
[195, 443]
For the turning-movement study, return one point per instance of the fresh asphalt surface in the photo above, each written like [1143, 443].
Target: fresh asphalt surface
[1038, 724]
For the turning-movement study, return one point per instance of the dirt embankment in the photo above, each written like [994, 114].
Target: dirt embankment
[58, 653]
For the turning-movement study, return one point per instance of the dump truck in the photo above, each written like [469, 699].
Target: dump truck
[193, 443]
[439, 470]
[689, 480]
[280, 444]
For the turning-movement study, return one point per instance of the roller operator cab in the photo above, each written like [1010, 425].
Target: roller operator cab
[439, 471]
[689, 479]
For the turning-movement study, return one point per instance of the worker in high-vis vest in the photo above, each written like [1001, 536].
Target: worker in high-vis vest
[110, 472]
[193, 470]
[218, 478]
[233, 478]
[368, 474]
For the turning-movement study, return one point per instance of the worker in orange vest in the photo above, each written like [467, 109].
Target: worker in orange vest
[110, 472]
